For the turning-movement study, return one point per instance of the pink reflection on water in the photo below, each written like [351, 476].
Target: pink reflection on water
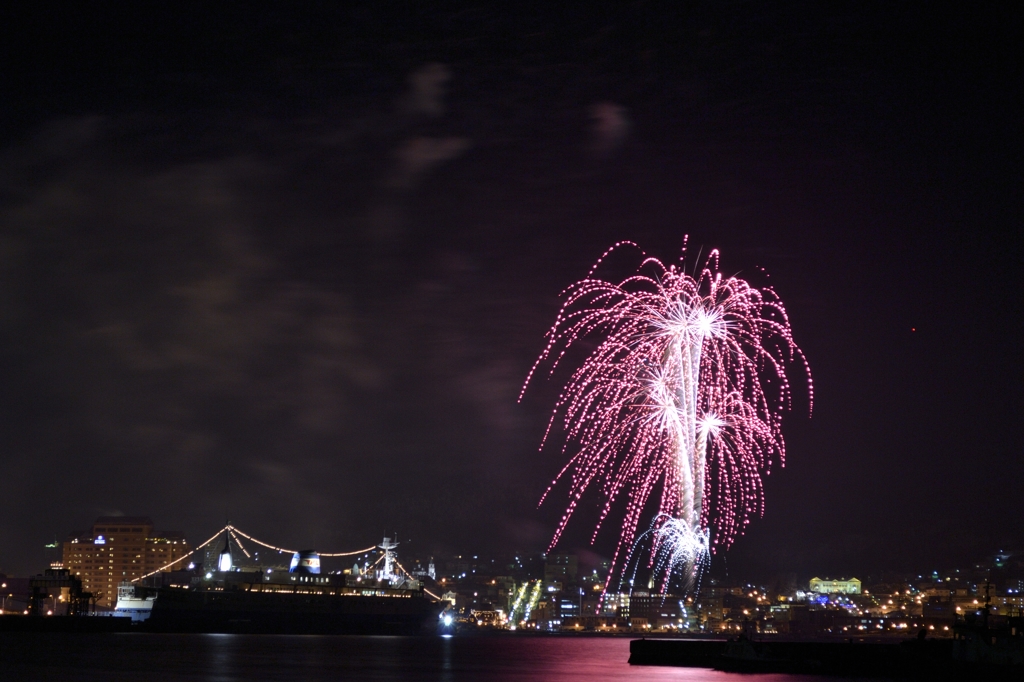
[41, 657]
[594, 659]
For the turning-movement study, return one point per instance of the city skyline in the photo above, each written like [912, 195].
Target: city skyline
[544, 591]
[62, 554]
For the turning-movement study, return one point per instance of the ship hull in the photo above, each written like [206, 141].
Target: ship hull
[246, 612]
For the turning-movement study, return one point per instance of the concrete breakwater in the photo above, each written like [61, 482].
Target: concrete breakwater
[931, 659]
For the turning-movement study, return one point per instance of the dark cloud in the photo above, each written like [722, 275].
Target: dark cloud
[227, 340]
[427, 87]
[610, 126]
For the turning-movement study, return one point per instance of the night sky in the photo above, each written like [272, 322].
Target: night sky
[290, 267]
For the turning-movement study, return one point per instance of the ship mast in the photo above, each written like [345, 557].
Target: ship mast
[388, 572]
[224, 561]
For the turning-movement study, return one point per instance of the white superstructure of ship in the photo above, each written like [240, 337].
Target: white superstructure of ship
[131, 606]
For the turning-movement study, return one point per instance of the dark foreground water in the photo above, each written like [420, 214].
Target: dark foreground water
[226, 658]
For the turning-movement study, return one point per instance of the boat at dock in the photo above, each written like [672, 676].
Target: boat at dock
[299, 599]
[239, 592]
[275, 603]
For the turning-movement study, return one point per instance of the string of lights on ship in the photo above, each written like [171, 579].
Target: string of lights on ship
[236, 532]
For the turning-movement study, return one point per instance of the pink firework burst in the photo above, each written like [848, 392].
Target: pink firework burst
[682, 395]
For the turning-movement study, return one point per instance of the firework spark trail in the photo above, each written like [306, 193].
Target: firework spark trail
[684, 391]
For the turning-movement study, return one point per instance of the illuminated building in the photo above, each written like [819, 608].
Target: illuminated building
[119, 548]
[826, 586]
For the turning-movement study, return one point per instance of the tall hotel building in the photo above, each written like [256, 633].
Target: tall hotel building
[119, 548]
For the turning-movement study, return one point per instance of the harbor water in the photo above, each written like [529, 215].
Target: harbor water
[118, 657]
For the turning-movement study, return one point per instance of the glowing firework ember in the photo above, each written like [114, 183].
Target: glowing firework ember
[683, 393]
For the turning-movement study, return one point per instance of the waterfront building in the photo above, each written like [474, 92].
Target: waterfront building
[119, 548]
[827, 586]
[616, 604]
[56, 592]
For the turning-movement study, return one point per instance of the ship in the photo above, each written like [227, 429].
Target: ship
[131, 605]
[299, 599]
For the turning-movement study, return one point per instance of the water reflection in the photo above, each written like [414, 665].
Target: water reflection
[220, 654]
[446, 659]
[230, 658]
